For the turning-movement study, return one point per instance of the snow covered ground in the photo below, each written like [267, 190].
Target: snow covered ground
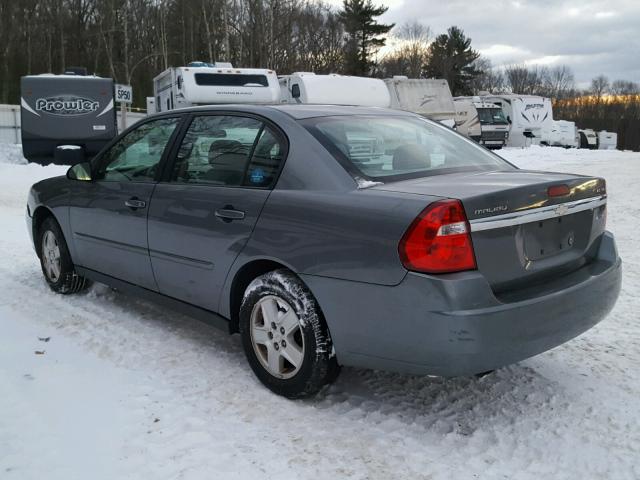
[103, 386]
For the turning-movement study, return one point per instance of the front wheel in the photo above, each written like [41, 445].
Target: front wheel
[55, 260]
[285, 337]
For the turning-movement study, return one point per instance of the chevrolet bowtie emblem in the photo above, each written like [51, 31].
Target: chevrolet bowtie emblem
[561, 210]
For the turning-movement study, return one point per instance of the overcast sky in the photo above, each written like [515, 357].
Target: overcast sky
[591, 36]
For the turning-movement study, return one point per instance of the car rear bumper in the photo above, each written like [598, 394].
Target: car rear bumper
[452, 325]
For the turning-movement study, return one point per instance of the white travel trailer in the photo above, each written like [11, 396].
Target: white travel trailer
[561, 133]
[607, 140]
[213, 83]
[528, 116]
[428, 97]
[309, 88]
[481, 121]
[588, 138]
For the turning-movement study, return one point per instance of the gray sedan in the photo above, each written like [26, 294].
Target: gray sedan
[331, 236]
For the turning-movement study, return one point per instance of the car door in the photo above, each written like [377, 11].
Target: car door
[203, 215]
[109, 214]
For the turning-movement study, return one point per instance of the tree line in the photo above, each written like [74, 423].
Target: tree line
[134, 40]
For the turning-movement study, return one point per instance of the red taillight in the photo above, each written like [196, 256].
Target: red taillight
[558, 191]
[439, 240]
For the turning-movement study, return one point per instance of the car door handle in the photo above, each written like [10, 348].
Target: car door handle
[135, 203]
[229, 214]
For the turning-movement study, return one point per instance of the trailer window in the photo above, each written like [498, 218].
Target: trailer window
[229, 151]
[231, 80]
[390, 148]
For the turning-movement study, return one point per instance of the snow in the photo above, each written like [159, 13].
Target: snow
[11, 153]
[127, 390]
[362, 183]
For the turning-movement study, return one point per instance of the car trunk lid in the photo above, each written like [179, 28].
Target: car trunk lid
[526, 226]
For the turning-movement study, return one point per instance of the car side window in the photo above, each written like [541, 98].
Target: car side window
[135, 157]
[227, 150]
[266, 160]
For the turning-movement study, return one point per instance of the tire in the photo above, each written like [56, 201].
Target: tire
[55, 260]
[285, 337]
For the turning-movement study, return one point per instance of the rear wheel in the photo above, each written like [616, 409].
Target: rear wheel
[55, 260]
[285, 337]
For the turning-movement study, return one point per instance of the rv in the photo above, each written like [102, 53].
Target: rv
[607, 140]
[561, 133]
[333, 89]
[588, 138]
[528, 116]
[483, 122]
[212, 83]
[67, 118]
[430, 98]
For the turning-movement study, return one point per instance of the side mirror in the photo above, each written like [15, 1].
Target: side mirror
[80, 171]
[295, 90]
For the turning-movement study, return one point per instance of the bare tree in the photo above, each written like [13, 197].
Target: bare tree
[558, 82]
[624, 87]
[489, 80]
[525, 80]
[599, 86]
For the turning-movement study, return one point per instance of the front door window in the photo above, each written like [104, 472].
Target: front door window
[136, 157]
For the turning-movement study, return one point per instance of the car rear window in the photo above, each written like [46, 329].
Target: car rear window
[386, 148]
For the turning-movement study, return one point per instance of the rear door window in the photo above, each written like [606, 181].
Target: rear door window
[230, 151]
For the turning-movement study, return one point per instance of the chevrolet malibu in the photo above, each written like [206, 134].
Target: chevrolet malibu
[329, 236]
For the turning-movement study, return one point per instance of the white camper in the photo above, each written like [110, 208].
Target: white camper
[561, 133]
[588, 138]
[607, 140]
[481, 121]
[333, 89]
[528, 116]
[151, 105]
[213, 83]
[428, 97]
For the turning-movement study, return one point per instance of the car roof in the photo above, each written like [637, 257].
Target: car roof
[296, 111]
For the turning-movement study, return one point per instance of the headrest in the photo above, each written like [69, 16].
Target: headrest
[411, 157]
[220, 147]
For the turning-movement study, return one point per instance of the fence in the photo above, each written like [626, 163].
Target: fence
[10, 122]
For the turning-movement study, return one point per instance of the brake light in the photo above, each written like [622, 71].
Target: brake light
[558, 191]
[438, 240]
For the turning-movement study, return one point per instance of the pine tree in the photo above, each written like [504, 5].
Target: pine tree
[363, 34]
[452, 58]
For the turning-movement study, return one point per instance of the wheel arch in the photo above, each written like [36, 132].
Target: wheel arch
[40, 214]
[241, 280]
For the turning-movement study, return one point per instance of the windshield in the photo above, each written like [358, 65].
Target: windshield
[491, 116]
[395, 148]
